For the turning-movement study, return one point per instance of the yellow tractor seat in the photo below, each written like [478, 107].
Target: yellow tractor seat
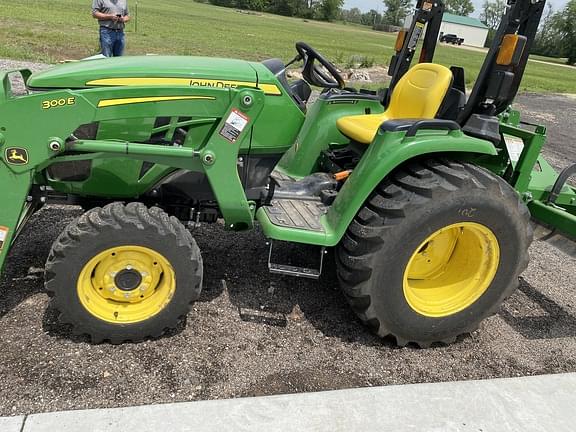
[417, 95]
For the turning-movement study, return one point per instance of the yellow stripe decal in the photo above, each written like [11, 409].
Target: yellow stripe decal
[269, 89]
[127, 101]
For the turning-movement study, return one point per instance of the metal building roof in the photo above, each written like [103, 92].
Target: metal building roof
[464, 20]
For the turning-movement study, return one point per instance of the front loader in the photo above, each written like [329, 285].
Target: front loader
[424, 193]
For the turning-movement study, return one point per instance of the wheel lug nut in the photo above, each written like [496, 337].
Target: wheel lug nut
[128, 267]
[126, 295]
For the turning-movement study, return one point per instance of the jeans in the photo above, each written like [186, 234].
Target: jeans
[111, 42]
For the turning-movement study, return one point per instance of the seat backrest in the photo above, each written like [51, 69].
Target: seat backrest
[420, 92]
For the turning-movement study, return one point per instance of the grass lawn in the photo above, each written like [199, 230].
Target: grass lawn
[64, 29]
[556, 60]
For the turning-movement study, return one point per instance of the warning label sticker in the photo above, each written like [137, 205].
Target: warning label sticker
[416, 35]
[515, 147]
[3, 236]
[234, 125]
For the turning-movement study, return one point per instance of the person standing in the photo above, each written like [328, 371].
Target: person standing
[112, 15]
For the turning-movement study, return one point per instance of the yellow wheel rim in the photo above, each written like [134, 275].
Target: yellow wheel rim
[451, 269]
[126, 284]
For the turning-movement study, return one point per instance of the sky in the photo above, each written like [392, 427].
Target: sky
[366, 5]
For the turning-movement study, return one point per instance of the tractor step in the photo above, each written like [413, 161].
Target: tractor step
[295, 271]
[294, 213]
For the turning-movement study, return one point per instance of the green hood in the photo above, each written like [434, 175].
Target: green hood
[92, 73]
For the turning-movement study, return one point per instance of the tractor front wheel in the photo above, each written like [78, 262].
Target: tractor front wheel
[124, 273]
[435, 250]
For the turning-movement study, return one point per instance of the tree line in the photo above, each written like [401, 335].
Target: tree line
[394, 12]
[325, 10]
[556, 35]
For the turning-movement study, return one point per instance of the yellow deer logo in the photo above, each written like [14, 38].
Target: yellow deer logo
[16, 156]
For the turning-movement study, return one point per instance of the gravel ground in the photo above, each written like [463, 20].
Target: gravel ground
[256, 334]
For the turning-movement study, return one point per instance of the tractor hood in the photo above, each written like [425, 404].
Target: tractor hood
[132, 70]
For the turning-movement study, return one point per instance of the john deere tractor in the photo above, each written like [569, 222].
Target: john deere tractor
[425, 193]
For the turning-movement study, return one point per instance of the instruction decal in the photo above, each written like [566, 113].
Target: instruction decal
[416, 35]
[515, 146]
[3, 236]
[16, 156]
[234, 125]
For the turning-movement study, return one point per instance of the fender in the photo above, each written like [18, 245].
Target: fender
[386, 153]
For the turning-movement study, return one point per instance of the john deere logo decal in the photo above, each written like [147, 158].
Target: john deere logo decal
[16, 156]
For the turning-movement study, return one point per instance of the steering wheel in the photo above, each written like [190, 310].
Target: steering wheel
[323, 74]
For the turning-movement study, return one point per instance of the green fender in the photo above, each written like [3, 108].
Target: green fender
[388, 151]
[384, 155]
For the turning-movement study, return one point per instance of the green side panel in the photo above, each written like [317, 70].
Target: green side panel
[112, 178]
[121, 178]
[126, 129]
[384, 155]
[280, 121]
[319, 132]
[117, 177]
[76, 75]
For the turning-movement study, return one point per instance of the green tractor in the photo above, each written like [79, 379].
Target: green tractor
[424, 193]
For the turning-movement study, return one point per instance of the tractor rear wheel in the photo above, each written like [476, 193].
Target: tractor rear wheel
[437, 248]
[124, 273]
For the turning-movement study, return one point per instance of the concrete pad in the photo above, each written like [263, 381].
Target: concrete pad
[542, 403]
[11, 424]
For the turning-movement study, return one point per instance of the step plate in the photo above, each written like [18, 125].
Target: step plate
[298, 214]
[288, 270]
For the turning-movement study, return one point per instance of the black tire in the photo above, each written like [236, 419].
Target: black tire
[114, 226]
[406, 208]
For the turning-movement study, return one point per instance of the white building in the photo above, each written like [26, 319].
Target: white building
[470, 29]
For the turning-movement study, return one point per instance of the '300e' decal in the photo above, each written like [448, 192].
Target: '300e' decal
[55, 103]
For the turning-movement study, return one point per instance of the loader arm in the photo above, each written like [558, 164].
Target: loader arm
[27, 151]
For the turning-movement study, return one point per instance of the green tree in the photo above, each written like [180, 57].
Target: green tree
[353, 15]
[491, 15]
[329, 10]
[225, 3]
[257, 5]
[492, 12]
[371, 18]
[548, 41]
[566, 25]
[396, 11]
[459, 7]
